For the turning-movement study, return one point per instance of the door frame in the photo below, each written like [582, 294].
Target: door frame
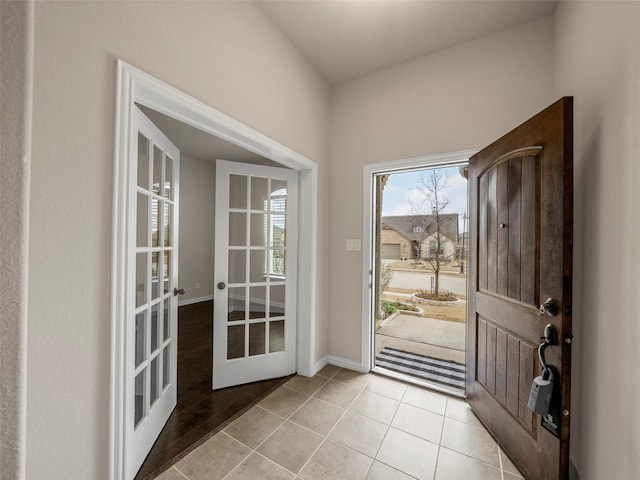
[136, 86]
[369, 273]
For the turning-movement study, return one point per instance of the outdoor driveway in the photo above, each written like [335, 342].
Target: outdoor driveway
[422, 280]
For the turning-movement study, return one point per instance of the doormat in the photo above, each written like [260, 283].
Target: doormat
[435, 370]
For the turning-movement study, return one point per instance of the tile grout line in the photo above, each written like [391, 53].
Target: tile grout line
[326, 380]
[243, 458]
[471, 457]
[285, 419]
[326, 437]
[402, 402]
[468, 424]
[375, 456]
[178, 470]
[444, 417]
[266, 458]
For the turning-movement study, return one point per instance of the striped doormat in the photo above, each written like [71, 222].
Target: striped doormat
[443, 372]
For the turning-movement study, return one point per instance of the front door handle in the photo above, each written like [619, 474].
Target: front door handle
[177, 292]
[550, 306]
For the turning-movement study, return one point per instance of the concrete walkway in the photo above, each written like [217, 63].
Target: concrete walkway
[424, 336]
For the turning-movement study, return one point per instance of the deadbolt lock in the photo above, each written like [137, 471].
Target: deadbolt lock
[550, 306]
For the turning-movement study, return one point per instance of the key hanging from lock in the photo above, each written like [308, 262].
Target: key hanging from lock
[542, 387]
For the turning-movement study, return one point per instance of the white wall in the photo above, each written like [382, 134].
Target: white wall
[197, 227]
[227, 54]
[598, 62]
[460, 98]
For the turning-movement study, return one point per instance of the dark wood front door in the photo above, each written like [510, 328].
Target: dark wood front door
[520, 255]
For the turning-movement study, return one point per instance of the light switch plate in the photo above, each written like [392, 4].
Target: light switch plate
[353, 245]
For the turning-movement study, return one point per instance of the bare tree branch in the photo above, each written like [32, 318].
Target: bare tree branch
[428, 210]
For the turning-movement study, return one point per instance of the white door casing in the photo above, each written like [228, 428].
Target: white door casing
[151, 340]
[135, 86]
[255, 273]
[369, 268]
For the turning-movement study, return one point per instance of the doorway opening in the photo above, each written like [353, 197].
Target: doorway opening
[200, 412]
[138, 89]
[419, 245]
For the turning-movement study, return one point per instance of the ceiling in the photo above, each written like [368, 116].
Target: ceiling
[346, 39]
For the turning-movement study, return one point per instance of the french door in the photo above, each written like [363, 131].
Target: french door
[152, 272]
[255, 273]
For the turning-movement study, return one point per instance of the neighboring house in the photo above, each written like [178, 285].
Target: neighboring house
[414, 236]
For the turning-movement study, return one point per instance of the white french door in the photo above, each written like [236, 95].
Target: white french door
[152, 272]
[255, 273]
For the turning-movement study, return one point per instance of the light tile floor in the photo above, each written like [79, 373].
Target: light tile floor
[344, 425]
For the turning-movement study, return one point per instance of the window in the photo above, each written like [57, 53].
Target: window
[278, 232]
[417, 229]
[433, 248]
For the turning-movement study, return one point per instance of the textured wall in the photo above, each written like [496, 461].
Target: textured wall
[597, 62]
[460, 98]
[226, 54]
[197, 227]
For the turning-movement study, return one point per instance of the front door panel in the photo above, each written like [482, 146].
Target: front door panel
[521, 254]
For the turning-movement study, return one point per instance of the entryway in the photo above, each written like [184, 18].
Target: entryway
[419, 222]
[520, 285]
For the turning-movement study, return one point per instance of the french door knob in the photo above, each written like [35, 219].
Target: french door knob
[221, 286]
[177, 292]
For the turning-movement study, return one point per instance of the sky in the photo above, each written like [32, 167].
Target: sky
[401, 188]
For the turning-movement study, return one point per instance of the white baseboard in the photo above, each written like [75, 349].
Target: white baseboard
[344, 363]
[338, 362]
[320, 364]
[191, 301]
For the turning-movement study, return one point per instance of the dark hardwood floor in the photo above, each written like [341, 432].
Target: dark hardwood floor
[201, 412]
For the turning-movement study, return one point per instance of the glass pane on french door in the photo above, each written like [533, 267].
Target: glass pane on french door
[257, 222]
[153, 283]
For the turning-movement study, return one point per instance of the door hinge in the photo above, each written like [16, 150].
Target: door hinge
[567, 310]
